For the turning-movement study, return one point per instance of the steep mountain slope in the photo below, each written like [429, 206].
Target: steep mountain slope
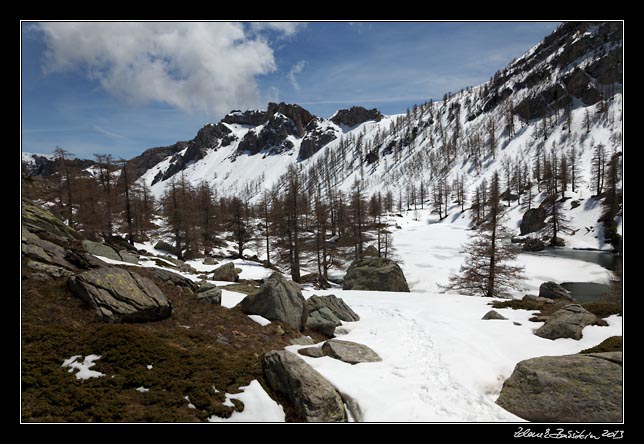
[562, 94]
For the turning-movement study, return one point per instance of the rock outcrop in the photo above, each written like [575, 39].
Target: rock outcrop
[339, 308]
[573, 388]
[278, 300]
[349, 352]
[567, 322]
[533, 220]
[119, 295]
[377, 273]
[355, 116]
[317, 136]
[311, 395]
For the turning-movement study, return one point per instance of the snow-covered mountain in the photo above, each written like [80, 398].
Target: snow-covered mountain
[564, 93]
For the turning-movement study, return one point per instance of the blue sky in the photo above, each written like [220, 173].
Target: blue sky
[121, 88]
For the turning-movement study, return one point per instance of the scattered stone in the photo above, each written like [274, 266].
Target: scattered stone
[376, 274]
[209, 261]
[49, 270]
[493, 314]
[227, 273]
[339, 308]
[302, 340]
[349, 352]
[211, 295]
[311, 352]
[311, 395]
[278, 300]
[572, 388]
[120, 295]
[533, 245]
[567, 322]
[168, 248]
[516, 323]
[552, 290]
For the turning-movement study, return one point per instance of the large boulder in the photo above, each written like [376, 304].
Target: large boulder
[165, 246]
[312, 397]
[278, 300]
[533, 220]
[174, 279]
[552, 290]
[573, 388]
[339, 308]
[227, 273]
[119, 295]
[375, 273]
[567, 322]
[349, 352]
[103, 250]
[323, 321]
[40, 221]
[209, 293]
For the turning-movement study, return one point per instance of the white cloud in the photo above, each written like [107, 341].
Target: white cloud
[286, 28]
[205, 67]
[296, 69]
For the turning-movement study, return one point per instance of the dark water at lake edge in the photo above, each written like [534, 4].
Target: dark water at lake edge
[587, 291]
[583, 291]
[603, 258]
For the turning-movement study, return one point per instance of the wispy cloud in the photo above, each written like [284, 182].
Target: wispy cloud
[296, 69]
[285, 28]
[108, 133]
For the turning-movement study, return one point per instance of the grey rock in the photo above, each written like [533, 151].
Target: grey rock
[533, 220]
[339, 308]
[552, 290]
[174, 279]
[209, 261]
[212, 296]
[378, 274]
[350, 352]
[43, 223]
[119, 295]
[51, 270]
[302, 340]
[311, 352]
[42, 250]
[164, 246]
[341, 331]
[226, 272]
[101, 250]
[567, 322]
[127, 256]
[493, 314]
[278, 300]
[517, 323]
[533, 245]
[323, 321]
[311, 395]
[573, 388]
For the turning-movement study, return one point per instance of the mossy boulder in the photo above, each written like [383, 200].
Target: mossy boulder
[38, 220]
[375, 274]
[573, 388]
[120, 295]
[227, 273]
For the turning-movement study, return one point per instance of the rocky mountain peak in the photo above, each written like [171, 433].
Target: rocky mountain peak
[296, 113]
[355, 116]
